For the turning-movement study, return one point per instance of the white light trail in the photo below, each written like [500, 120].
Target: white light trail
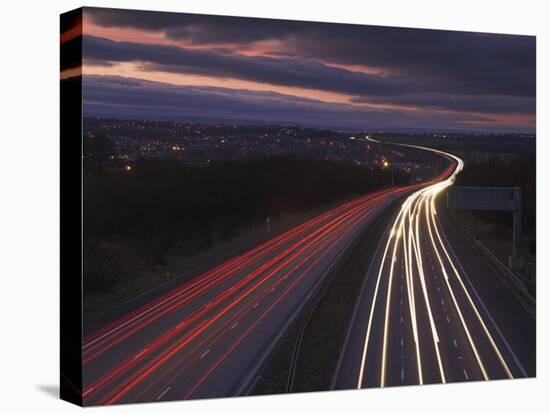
[404, 242]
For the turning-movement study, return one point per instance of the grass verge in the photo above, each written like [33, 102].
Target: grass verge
[326, 329]
[497, 238]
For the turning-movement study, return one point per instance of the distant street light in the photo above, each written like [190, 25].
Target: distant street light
[386, 164]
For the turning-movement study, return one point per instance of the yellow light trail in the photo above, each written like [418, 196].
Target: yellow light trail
[435, 336]
[371, 313]
[459, 312]
[405, 233]
[407, 252]
[388, 303]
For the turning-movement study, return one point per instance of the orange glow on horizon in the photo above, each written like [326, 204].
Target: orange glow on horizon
[132, 69]
[505, 120]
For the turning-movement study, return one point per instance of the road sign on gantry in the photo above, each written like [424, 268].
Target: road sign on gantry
[484, 198]
[491, 198]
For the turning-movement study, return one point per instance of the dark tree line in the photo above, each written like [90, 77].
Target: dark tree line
[133, 220]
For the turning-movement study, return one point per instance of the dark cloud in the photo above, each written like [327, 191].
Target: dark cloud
[454, 62]
[278, 71]
[197, 28]
[304, 73]
[131, 98]
[438, 71]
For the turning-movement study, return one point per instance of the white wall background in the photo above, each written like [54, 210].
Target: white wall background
[29, 194]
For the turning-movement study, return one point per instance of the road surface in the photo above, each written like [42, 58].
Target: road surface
[210, 336]
[424, 317]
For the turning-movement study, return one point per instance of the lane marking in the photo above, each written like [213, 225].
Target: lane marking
[465, 374]
[455, 343]
[205, 353]
[256, 305]
[467, 294]
[234, 325]
[163, 393]
[398, 238]
[141, 352]
[415, 244]
[448, 319]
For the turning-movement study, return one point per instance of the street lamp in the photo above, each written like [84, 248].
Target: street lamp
[386, 164]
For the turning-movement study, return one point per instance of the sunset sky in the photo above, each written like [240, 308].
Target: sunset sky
[155, 65]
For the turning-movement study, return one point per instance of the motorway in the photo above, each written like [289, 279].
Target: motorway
[419, 317]
[422, 318]
[210, 336]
